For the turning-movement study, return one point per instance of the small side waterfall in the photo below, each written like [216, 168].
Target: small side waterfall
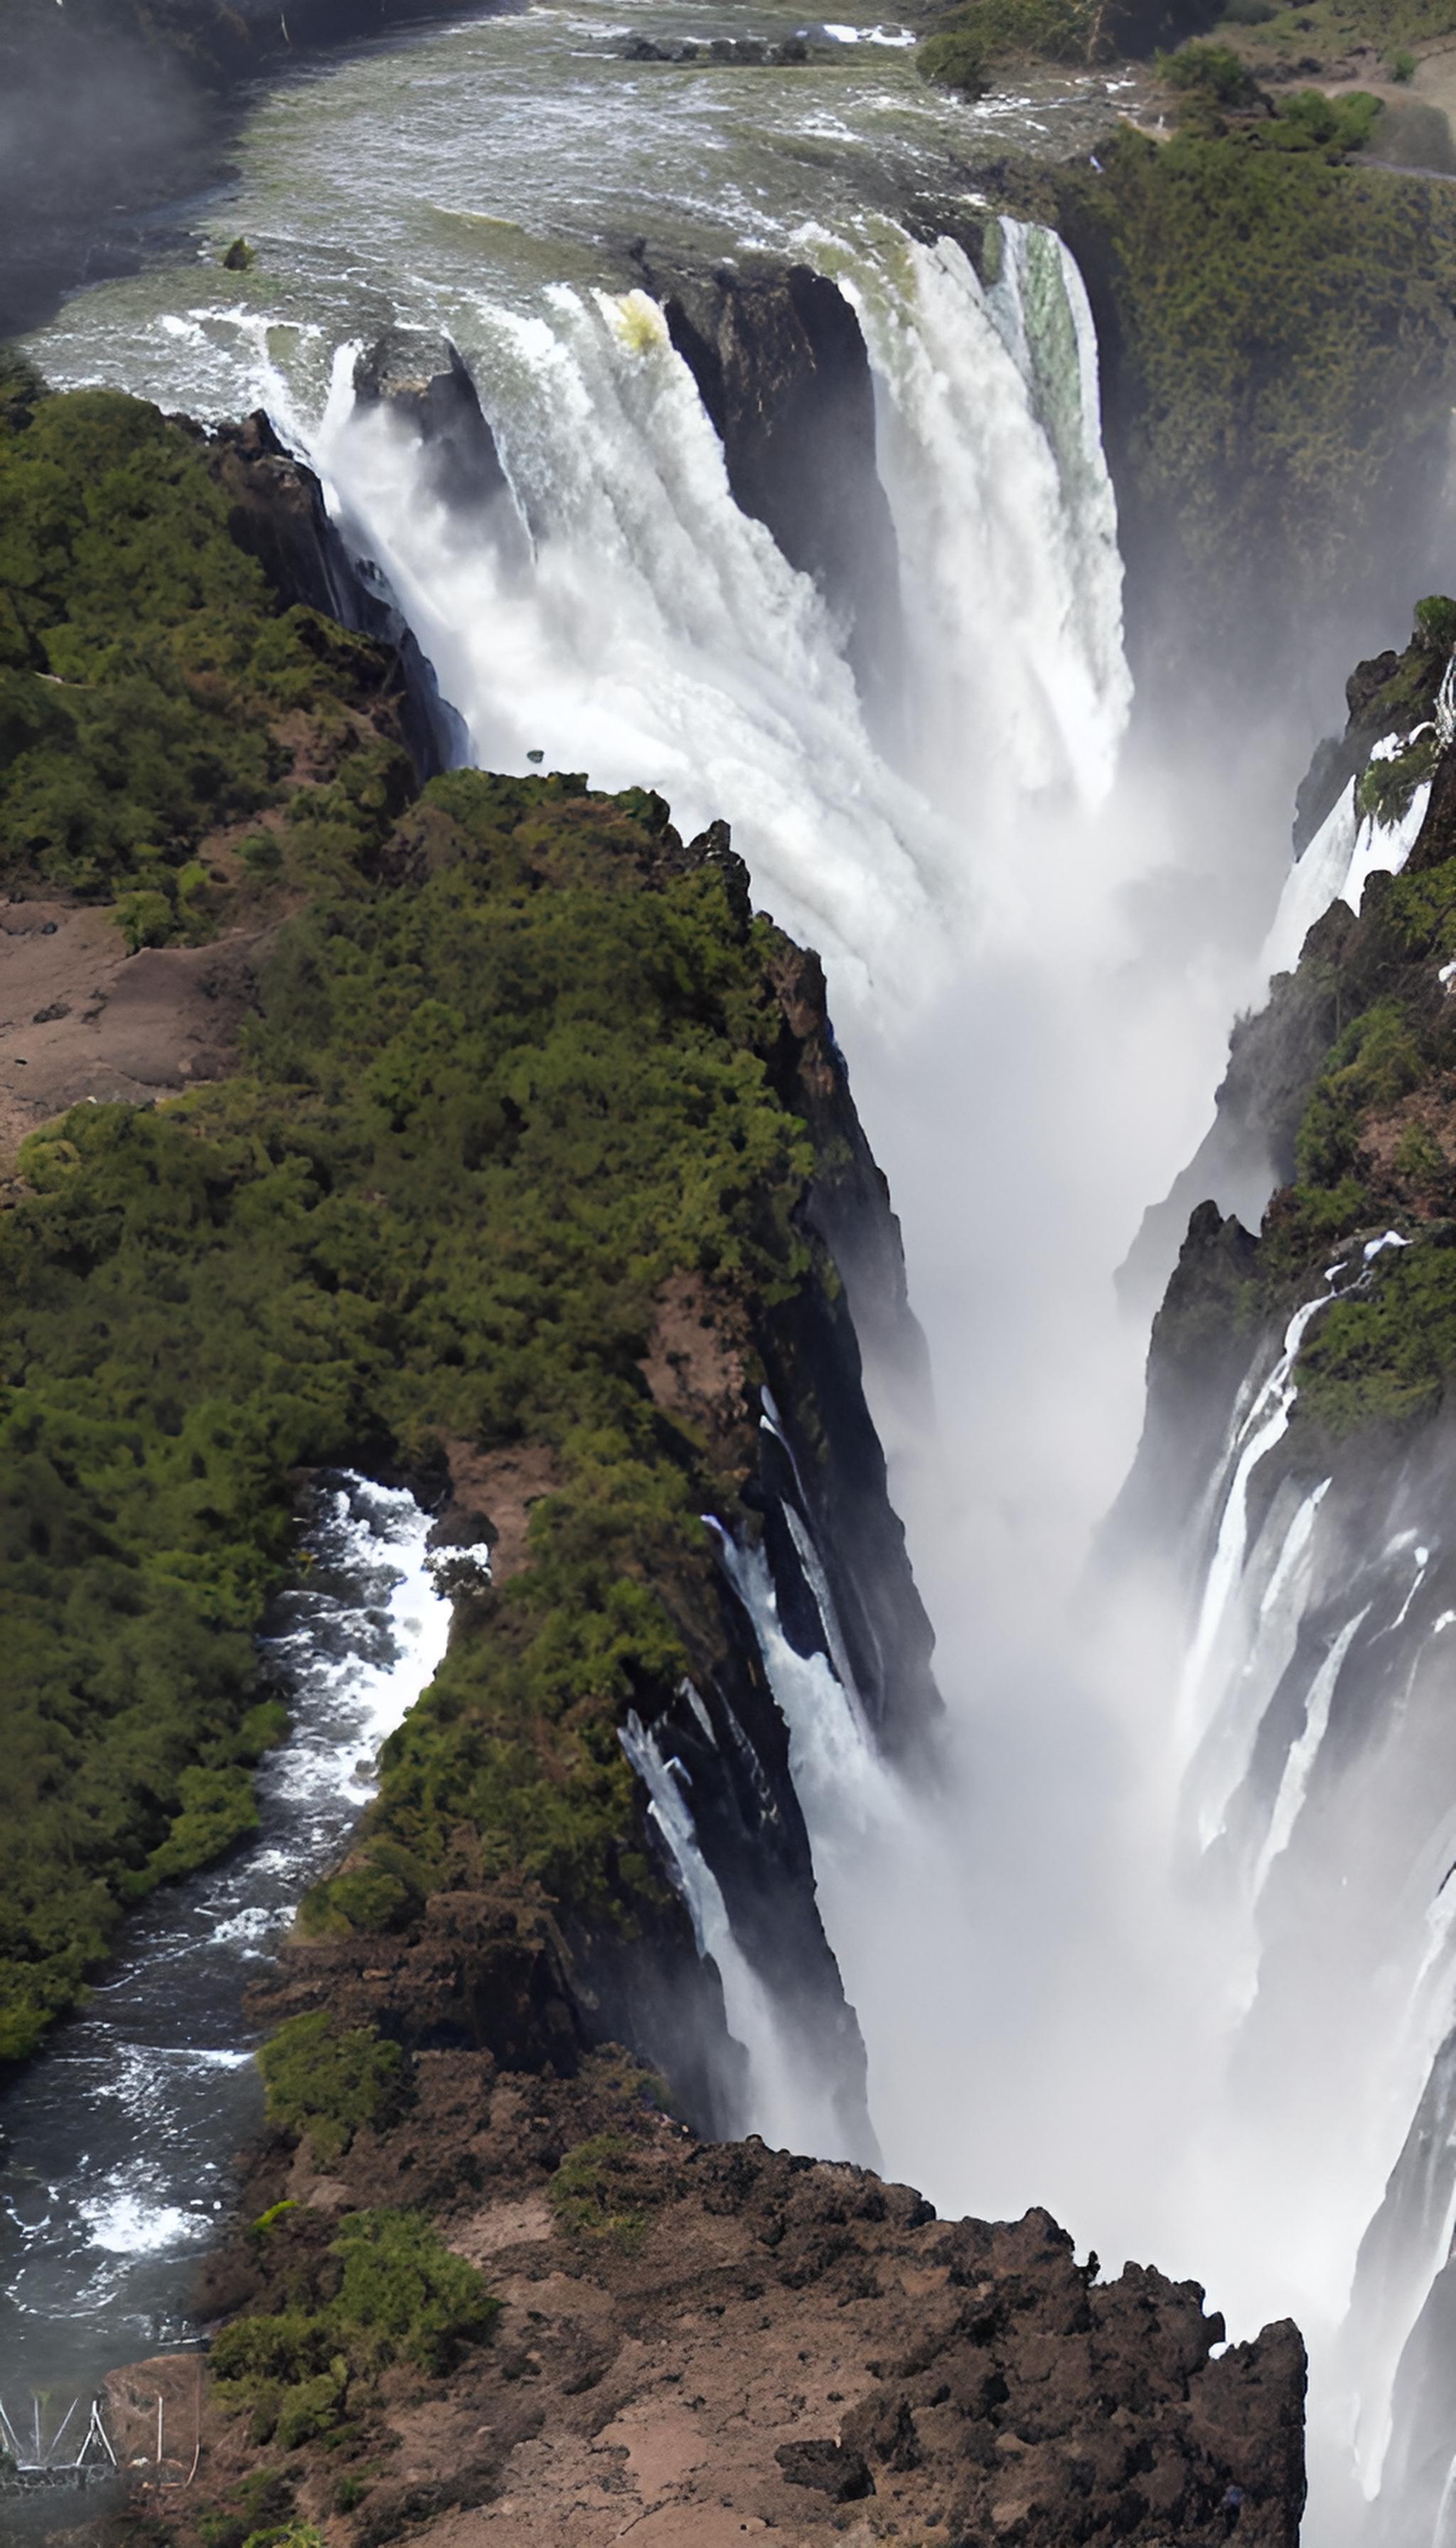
[1350, 847]
[785, 2098]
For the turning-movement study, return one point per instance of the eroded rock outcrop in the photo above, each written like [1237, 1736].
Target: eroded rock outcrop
[781, 369]
[699, 2341]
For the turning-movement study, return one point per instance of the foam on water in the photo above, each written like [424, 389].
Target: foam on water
[119, 2140]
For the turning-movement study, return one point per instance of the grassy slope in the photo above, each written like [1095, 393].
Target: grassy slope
[509, 1072]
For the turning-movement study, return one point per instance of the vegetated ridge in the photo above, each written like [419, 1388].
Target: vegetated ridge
[503, 1189]
[1346, 1081]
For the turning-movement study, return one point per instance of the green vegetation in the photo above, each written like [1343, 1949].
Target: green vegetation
[1369, 1151]
[1375, 1061]
[974, 42]
[1387, 1357]
[330, 2083]
[1210, 76]
[1387, 787]
[510, 1070]
[385, 2289]
[153, 699]
[1282, 38]
[1219, 94]
[483, 1122]
[599, 2192]
[974, 39]
[1288, 351]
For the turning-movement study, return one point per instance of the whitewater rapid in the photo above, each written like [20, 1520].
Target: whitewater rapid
[119, 2141]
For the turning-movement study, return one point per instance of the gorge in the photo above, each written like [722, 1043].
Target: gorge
[792, 514]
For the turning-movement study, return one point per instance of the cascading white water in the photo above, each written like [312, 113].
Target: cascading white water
[846, 1793]
[784, 2100]
[1347, 849]
[1316, 1799]
[655, 636]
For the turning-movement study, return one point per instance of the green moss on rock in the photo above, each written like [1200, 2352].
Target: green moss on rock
[326, 2083]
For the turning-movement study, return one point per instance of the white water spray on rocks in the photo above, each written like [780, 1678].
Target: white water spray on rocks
[654, 636]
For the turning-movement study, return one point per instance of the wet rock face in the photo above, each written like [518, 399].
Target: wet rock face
[782, 367]
[278, 516]
[764, 2343]
[428, 387]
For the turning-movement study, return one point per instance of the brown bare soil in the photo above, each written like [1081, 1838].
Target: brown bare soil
[696, 1367]
[758, 2344]
[500, 1488]
[80, 1018]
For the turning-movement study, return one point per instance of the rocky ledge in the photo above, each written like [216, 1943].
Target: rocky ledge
[697, 2342]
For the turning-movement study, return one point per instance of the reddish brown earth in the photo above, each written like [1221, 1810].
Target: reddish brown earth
[764, 2347]
[80, 1018]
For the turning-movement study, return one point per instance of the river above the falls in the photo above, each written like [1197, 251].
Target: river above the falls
[505, 154]
[116, 2143]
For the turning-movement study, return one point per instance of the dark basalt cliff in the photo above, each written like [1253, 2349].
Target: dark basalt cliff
[781, 369]
[1340, 1094]
[1277, 1052]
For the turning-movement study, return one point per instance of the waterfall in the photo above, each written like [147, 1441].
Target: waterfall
[1347, 849]
[989, 447]
[652, 634]
[1320, 1768]
[1254, 1433]
[784, 2100]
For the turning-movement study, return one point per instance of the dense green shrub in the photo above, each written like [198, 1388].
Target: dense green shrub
[328, 2082]
[1384, 1357]
[385, 2290]
[1214, 72]
[597, 2193]
[1310, 121]
[1374, 1063]
[145, 667]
